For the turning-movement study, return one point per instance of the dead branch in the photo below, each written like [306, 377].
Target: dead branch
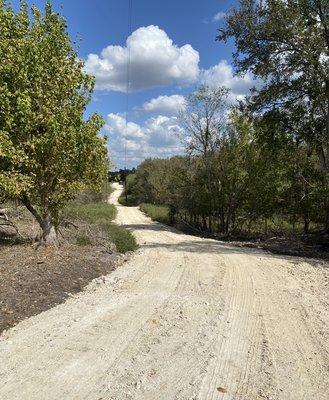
[3, 214]
[67, 223]
[4, 221]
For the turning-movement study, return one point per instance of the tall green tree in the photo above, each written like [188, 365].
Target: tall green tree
[48, 150]
[286, 44]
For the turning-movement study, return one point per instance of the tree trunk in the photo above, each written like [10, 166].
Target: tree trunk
[210, 223]
[327, 157]
[222, 221]
[204, 222]
[306, 225]
[323, 154]
[49, 234]
[249, 226]
[326, 224]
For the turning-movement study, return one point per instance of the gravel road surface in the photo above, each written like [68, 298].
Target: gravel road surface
[184, 318]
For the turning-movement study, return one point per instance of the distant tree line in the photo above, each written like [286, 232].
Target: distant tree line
[120, 175]
[242, 183]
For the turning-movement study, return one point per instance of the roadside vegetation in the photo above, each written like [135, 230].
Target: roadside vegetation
[156, 212]
[101, 215]
[127, 200]
[256, 168]
[89, 244]
[88, 196]
[53, 169]
[127, 197]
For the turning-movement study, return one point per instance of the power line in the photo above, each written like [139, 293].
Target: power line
[128, 83]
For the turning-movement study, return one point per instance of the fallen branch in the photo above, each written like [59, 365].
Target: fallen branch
[4, 221]
[70, 223]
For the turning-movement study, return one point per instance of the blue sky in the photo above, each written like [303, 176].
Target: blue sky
[173, 50]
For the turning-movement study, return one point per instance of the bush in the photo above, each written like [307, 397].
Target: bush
[129, 202]
[129, 191]
[124, 240]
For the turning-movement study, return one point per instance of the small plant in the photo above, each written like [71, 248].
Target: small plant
[122, 238]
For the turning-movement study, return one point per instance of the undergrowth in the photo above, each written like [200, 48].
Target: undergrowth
[102, 215]
[157, 213]
[130, 201]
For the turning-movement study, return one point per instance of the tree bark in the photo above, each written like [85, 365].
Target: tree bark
[323, 153]
[222, 221]
[210, 223]
[49, 234]
[306, 225]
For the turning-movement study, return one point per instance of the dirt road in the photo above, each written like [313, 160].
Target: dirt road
[185, 318]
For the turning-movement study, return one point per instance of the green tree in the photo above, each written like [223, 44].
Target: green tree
[286, 44]
[48, 151]
[205, 120]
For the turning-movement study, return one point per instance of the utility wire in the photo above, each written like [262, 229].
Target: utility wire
[128, 83]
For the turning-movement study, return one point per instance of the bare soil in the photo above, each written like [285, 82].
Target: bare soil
[34, 279]
[185, 318]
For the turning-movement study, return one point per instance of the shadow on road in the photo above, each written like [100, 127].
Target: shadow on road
[194, 244]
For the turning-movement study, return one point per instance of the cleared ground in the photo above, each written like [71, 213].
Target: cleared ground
[185, 318]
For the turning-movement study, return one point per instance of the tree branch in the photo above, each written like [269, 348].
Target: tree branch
[33, 211]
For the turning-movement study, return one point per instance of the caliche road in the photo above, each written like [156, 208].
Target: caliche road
[185, 318]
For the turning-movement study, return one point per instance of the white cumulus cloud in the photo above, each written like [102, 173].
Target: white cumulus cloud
[131, 131]
[162, 132]
[165, 104]
[154, 61]
[157, 137]
[222, 74]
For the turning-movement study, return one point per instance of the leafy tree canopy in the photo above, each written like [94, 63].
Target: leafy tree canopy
[286, 44]
[48, 150]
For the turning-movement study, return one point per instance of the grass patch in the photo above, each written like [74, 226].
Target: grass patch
[102, 214]
[94, 213]
[280, 225]
[124, 240]
[157, 213]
